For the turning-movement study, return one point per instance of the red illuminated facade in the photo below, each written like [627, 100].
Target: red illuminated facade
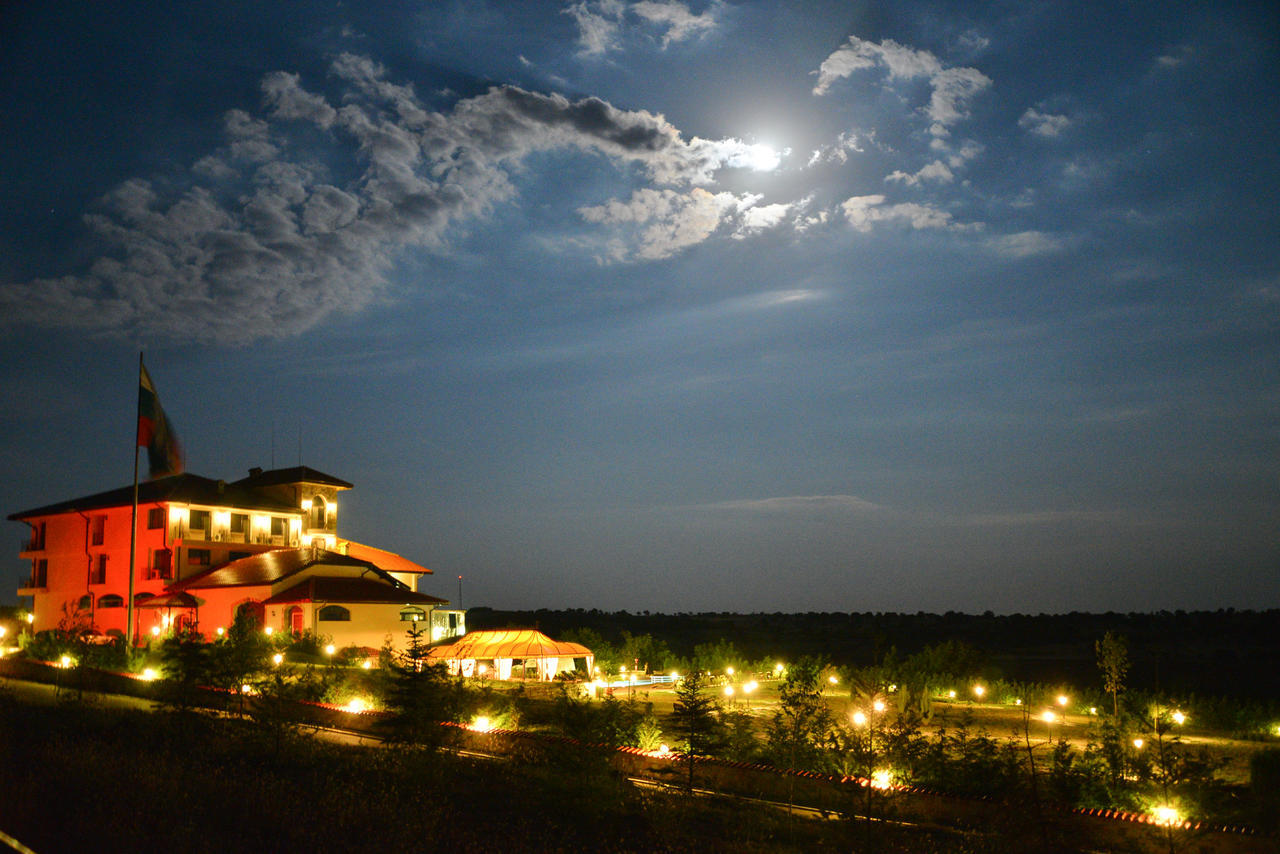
[206, 549]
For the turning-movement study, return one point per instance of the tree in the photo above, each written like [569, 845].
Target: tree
[801, 729]
[1113, 661]
[421, 696]
[695, 719]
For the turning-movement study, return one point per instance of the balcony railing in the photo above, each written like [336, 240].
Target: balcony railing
[27, 581]
[31, 544]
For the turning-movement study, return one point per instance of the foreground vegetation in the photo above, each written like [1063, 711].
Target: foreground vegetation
[894, 720]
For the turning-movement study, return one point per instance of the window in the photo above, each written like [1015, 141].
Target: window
[317, 512]
[161, 564]
[453, 622]
[98, 570]
[85, 603]
[277, 526]
[198, 557]
[333, 613]
[239, 523]
[40, 573]
[110, 600]
[155, 518]
[199, 520]
[98, 530]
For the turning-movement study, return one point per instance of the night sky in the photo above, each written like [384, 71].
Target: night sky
[762, 306]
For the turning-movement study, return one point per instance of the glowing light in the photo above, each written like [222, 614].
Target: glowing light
[834, 680]
[31, 618]
[166, 620]
[1017, 702]
[481, 724]
[675, 674]
[65, 661]
[268, 631]
[155, 631]
[278, 658]
[951, 695]
[246, 688]
[878, 706]
[859, 718]
[729, 670]
[728, 690]
[978, 691]
[330, 649]
[893, 688]
[366, 665]
[1166, 815]
[482, 669]
[750, 686]
[148, 675]
[1137, 743]
[881, 779]
[1062, 700]
[1048, 716]
[4, 630]
[357, 705]
[758, 157]
[777, 668]
[663, 750]
[1093, 710]
[221, 631]
[1179, 718]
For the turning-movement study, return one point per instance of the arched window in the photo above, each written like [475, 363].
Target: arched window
[318, 510]
[333, 613]
[86, 602]
[110, 600]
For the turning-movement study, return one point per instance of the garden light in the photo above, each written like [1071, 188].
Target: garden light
[148, 675]
[268, 631]
[357, 705]
[64, 662]
[1048, 716]
[859, 719]
[834, 680]
[481, 724]
[880, 779]
[1179, 718]
[728, 690]
[366, 665]
[1137, 743]
[155, 631]
[978, 691]
[278, 658]
[1062, 700]
[221, 631]
[951, 695]
[878, 706]
[4, 630]
[1166, 815]
[330, 650]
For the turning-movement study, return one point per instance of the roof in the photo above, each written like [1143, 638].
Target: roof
[297, 474]
[390, 561]
[181, 488]
[269, 567]
[508, 643]
[323, 589]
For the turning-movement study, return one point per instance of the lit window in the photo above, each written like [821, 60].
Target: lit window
[239, 523]
[333, 613]
[199, 520]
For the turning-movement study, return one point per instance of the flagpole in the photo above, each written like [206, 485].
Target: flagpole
[133, 521]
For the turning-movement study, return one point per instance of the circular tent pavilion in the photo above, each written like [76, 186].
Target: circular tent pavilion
[510, 653]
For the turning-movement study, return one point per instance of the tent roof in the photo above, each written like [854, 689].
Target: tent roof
[508, 643]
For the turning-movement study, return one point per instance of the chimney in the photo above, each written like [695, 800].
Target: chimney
[255, 471]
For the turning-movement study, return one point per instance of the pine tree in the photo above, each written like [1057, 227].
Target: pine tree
[695, 720]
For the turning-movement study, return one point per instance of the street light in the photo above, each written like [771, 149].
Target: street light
[859, 718]
[1179, 718]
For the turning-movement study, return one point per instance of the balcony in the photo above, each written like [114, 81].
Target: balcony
[30, 585]
[30, 544]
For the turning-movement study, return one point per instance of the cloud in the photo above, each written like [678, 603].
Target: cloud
[598, 23]
[1174, 57]
[601, 22]
[263, 241]
[838, 153]
[680, 23]
[1024, 244]
[1043, 124]
[663, 222]
[795, 504]
[951, 88]
[863, 211]
[936, 171]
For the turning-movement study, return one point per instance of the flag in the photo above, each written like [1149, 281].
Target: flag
[164, 454]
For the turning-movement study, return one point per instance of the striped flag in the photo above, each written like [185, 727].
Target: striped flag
[164, 453]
